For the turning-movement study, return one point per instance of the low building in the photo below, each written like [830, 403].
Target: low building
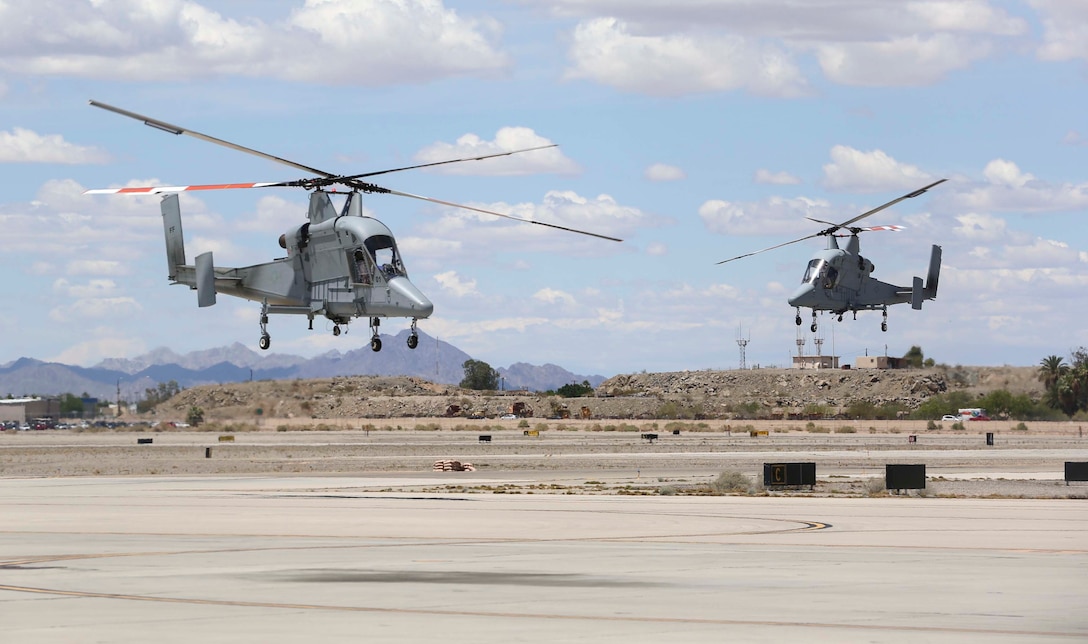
[23, 409]
[815, 362]
[878, 362]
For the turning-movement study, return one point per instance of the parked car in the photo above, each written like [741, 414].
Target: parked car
[948, 418]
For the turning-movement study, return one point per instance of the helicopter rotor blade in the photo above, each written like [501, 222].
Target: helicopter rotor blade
[158, 190]
[499, 214]
[813, 235]
[428, 165]
[175, 129]
[909, 195]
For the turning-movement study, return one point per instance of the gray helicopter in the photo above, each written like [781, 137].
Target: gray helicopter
[838, 279]
[340, 264]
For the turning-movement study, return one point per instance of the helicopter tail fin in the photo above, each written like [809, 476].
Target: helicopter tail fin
[205, 280]
[917, 294]
[175, 243]
[934, 273]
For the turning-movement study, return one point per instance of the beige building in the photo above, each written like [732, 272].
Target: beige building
[815, 362]
[878, 362]
[24, 409]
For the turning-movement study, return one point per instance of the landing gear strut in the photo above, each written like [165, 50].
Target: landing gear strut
[797, 320]
[413, 338]
[375, 341]
[266, 340]
[884, 324]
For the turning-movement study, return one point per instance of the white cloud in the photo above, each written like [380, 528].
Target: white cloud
[96, 307]
[691, 46]
[657, 249]
[912, 60]
[1007, 188]
[774, 215]
[481, 235]
[452, 283]
[554, 296]
[873, 171]
[26, 146]
[549, 160]
[1065, 25]
[96, 267]
[608, 51]
[776, 178]
[664, 172]
[343, 42]
[106, 343]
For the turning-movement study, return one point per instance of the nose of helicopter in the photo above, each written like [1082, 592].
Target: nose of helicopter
[411, 297]
[803, 296]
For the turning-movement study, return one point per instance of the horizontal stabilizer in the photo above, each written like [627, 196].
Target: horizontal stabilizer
[917, 294]
[205, 280]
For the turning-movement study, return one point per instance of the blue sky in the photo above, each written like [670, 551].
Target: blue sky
[696, 130]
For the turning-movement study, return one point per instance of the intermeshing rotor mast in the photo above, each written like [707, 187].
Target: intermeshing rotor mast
[321, 178]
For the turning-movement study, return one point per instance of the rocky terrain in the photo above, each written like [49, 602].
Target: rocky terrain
[687, 394]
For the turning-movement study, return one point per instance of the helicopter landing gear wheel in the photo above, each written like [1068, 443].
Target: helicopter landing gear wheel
[884, 324]
[797, 320]
[336, 329]
[266, 340]
[413, 338]
[840, 317]
[813, 327]
[375, 340]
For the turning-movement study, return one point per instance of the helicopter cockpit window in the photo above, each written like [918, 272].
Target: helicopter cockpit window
[384, 252]
[812, 271]
[831, 276]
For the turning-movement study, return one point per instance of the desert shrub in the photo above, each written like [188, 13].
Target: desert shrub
[427, 427]
[541, 427]
[819, 429]
[523, 424]
[731, 481]
[958, 426]
[667, 490]
[1021, 427]
[875, 487]
[932, 425]
[846, 429]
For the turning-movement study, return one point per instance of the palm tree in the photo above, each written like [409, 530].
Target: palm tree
[1051, 368]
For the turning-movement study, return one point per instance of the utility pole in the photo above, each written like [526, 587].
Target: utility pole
[118, 397]
[819, 351]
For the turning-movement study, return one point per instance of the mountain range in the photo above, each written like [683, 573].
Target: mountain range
[433, 360]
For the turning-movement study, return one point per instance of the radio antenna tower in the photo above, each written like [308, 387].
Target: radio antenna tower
[819, 351]
[742, 342]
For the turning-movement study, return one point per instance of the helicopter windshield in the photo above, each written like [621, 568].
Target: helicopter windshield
[384, 252]
[812, 271]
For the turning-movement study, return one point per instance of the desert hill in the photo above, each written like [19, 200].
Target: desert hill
[705, 394]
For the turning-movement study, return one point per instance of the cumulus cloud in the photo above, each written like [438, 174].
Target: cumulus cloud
[873, 171]
[776, 178]
[96, 307]
[774, 215]
[550, 160]
[96, 267]
[554, 296]
[610, 52]
[664, 172]
[690, 46]
[1007, 188]
[481, 235]
[452, 283]
[1065, 29]
[401, 41]
[26, 146]
[657, 249]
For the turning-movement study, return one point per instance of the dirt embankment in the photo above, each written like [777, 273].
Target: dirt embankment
[707, 394]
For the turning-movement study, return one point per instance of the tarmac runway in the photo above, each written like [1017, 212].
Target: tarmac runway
[331, 559]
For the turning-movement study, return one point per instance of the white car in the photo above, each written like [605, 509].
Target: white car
[950, 419]
[508, 417]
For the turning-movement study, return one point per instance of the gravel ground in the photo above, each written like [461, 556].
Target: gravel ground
[575, 460]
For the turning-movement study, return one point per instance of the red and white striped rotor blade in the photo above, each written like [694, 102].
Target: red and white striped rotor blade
[157, 190]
